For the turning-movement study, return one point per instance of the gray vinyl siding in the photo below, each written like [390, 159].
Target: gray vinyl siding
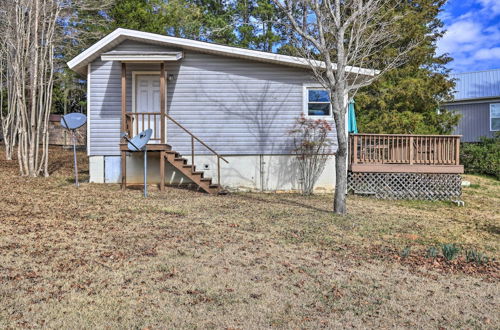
[236, 106]
[474, 121]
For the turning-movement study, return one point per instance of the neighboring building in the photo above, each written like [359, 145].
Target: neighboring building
[477, 100]
[62, 137]
[239, 102]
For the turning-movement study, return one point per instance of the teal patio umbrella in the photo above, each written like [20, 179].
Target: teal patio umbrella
[352, 127]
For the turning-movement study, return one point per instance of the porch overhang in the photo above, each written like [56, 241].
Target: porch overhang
[142, 57]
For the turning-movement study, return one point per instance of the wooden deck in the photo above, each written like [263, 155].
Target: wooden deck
[401, 153]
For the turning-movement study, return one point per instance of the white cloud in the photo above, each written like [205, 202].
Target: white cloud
[460, 35]
[488, 54]
[472, 38]
[491, 6]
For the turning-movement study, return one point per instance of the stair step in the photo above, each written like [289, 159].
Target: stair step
[197, 177]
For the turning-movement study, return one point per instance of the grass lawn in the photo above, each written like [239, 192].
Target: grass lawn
[97, 257]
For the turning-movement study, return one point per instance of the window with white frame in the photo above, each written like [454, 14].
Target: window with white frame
[317, 102]
[495, 117]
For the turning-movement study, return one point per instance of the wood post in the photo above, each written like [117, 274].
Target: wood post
[218, 170]
[124, 169]
[457, 151]
[124, 96]
[355, 149]
[411, 150]
[162, 102]
[192, 153]
[162, 170]
[123, 125]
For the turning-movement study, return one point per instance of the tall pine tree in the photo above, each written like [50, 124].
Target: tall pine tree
[406, 100]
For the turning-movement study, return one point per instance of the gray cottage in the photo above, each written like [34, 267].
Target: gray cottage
[220, 115]
[477, 100]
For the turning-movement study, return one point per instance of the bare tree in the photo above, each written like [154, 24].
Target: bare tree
[28, 39]
[8, 118]
[338, 39]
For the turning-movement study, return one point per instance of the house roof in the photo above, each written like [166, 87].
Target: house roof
[80, 62]
[477, 85]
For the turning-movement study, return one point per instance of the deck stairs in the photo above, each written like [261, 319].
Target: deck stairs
[189, 170]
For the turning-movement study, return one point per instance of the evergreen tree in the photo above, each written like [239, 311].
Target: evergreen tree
[407, 99]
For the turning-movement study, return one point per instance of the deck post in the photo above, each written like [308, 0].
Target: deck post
[124, 169]
[162, 170]
[355, 149]
[457, 151]
[124, 95]
[123, 126]
[162, 102]
[412, 150]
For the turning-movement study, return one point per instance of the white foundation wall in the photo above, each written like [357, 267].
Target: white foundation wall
[270, 173]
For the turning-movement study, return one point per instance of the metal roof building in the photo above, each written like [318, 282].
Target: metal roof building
[477, 100]
[477, 85]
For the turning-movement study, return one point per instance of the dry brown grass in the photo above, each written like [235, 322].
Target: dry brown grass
[97, 257]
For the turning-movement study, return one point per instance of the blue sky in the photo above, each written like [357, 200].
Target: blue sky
[473, 34]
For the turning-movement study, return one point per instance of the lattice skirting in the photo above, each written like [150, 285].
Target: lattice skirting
[406, 185]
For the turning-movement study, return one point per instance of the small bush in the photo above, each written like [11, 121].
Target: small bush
[450, 251]
[432, 252]
[482, 157]
[406, 252]
[312, 146]
[475, 256]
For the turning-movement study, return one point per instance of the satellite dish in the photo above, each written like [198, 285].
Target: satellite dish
[138, 142]
[73, 120]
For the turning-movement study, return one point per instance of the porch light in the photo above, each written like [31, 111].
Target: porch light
[170, 77]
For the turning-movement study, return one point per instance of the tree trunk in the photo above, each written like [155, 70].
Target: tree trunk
[339, 202]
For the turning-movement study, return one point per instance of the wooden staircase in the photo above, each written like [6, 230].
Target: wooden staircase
[169, 155]
[189, 170]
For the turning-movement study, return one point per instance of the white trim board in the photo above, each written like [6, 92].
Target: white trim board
[89, 74]
[110, 41]
[139, 58]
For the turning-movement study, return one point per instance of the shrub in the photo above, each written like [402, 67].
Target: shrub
[406, 252]
[482, 157]
[450, 251]
[432, 252]
[312, 148]
[475, 256]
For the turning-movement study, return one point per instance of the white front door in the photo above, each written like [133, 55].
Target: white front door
[147, 100]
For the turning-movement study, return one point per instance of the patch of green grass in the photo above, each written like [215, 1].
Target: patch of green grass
[476, 256]
[450, 251]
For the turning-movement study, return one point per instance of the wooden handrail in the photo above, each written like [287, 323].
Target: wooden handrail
[129, 126]
[195, 137]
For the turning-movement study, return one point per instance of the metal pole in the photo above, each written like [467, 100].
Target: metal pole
[74, 158]
[145, 171]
